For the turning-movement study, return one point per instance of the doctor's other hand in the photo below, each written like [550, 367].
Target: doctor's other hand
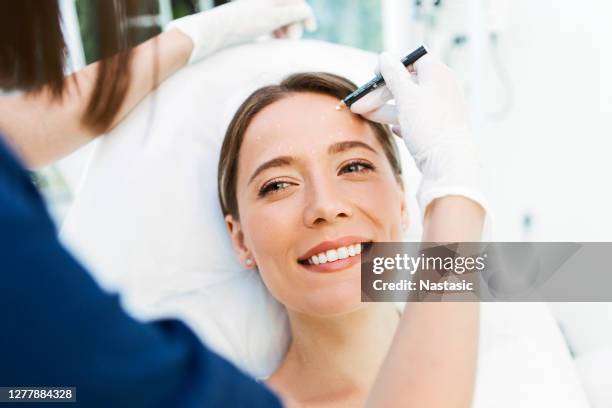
[242, 21]
[430, 114]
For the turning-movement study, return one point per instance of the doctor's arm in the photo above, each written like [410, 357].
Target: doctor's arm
[432, 360]
[60, 329]
[58, 128]
[50, 128]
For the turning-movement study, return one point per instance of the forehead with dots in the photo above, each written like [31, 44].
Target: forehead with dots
[301, 124]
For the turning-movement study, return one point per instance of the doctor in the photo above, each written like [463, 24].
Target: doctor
[60, 329]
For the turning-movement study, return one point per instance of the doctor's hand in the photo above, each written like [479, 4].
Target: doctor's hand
[430, 114]
[241, 21]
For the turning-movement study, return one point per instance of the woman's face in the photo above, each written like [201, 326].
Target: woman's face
[313, 182]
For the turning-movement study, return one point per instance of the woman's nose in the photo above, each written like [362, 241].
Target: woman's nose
[325, 203]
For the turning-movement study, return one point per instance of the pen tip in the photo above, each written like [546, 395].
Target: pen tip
[340, 106]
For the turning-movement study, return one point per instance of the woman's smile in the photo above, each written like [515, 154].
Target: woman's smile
[334, 255]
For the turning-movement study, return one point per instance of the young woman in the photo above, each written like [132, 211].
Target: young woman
[303, 186]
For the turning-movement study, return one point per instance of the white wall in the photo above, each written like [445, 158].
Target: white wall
[549, 157]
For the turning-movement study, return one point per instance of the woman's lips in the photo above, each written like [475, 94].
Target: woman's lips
[333, 244]
[341, 263]
[334, 266]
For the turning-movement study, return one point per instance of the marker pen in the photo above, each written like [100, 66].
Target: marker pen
[378, 80]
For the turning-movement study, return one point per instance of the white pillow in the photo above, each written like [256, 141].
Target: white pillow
[147, 222]
[587, 325]
[594, 369]
[523, 360]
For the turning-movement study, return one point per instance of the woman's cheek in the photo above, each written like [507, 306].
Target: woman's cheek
[380, 197]
[266, 228]
[268, 235]
[271, 228]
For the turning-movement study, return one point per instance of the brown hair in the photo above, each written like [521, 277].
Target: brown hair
[315, 82]
[33, 53]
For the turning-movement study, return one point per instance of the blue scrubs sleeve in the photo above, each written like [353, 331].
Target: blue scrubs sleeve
[58, 328]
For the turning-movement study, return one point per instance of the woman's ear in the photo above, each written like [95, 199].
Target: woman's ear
[235, 230]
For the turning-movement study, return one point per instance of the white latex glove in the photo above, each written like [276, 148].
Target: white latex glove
[430, 114]
[242, 21]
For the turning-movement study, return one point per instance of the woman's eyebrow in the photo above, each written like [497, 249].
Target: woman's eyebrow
[349, 144]
[276, 162]
[336, 148]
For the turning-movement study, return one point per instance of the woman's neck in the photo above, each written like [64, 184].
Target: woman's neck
[336, 356]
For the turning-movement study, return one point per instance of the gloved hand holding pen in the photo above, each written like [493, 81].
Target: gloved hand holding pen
[243, 21]
[430, 114]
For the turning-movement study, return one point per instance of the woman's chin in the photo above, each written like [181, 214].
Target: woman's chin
[333, 301]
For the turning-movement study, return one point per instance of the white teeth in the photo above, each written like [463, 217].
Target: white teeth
[332, 255]
[335, 254]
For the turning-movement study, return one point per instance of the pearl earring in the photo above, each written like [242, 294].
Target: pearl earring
[249, 261]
